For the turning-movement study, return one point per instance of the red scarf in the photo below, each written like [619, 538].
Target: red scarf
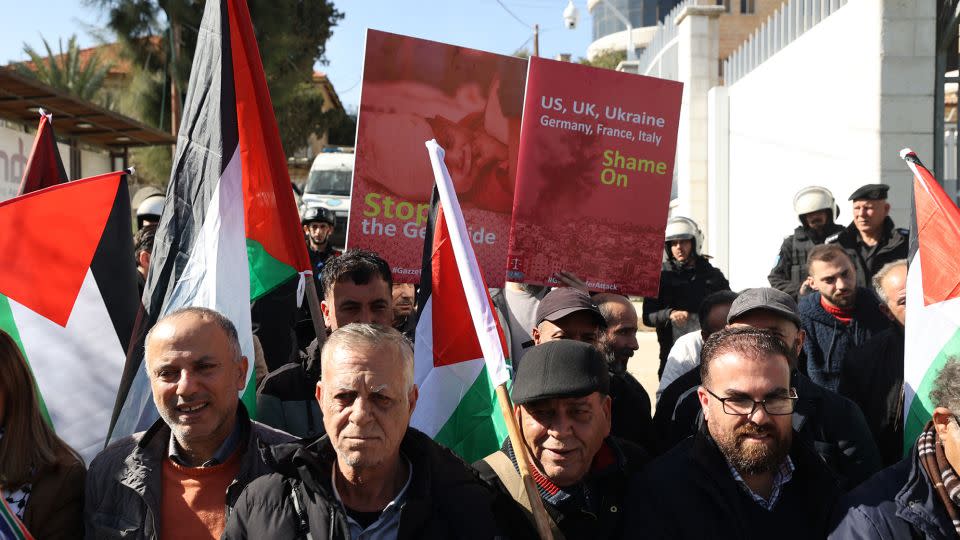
[844, 315]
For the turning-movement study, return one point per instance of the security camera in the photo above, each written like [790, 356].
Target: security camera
[570, 16]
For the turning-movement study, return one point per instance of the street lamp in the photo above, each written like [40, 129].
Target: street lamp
[571, 14]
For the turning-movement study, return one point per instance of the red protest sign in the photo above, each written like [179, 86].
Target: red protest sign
[594, 175]
[470, 101]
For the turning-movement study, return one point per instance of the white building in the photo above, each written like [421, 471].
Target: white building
[824, 92]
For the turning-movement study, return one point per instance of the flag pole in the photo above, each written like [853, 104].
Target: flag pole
[540, 517]
[313, 302]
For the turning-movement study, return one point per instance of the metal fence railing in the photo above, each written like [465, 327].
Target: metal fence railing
[659, 58]
[782, 28]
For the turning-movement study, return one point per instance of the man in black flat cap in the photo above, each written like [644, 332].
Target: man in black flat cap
[562, 405]
[872, 240]
[569, 313]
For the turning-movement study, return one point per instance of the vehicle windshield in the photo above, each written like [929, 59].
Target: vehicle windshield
[329, 182]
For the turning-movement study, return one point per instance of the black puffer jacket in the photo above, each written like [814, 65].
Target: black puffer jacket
[829, 341]
[690, 493]
[682, 288]
[873, 378]
[445, 498]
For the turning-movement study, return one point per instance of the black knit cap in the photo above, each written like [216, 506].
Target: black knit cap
[870, 192]
[559, 369]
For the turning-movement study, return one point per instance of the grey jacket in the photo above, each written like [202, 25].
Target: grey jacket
[122, 498]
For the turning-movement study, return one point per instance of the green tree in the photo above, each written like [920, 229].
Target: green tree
[160, 37]
[65, 71]
[606, 59]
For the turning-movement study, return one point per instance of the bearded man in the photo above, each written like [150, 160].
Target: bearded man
[838, 318]
[740, 476]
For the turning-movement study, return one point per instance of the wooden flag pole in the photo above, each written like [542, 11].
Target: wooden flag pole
[313, 302]
[540, 516]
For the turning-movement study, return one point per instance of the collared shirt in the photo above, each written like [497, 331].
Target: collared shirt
[784, 474]
[387, 525]
[220, 456]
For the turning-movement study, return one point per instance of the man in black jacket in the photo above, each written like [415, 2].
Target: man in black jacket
[372, 474]
[570, 313]
[685, 280]
[817, 211]
[872, 375]
[838, 317]
[562, 405]
[825, 421]
[204, 443]
[872, 240]
[631, 408]
[917, 497]
[743, 476]
[357, 288]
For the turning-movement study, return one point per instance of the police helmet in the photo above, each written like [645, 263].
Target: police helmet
[150, 209]
[814, 198]
[683, 228]
[309, 214]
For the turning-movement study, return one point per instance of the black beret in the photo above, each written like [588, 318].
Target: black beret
[870, 192]
[558, 369]
[563, 301]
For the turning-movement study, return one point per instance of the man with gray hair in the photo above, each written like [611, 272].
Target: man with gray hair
[872, 375]
[372, 475]
[181, 476]
[918, 497]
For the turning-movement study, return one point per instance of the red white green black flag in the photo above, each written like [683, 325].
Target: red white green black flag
[933, 295]
[229, 232]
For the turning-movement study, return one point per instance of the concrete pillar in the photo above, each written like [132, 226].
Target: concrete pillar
[907, 62]
[718, 178]
[698, 68]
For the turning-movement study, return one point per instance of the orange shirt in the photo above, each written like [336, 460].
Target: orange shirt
[193, 499]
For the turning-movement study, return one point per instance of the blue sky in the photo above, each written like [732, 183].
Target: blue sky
[481, 24]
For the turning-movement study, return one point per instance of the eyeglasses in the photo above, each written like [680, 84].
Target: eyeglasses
[739, 406]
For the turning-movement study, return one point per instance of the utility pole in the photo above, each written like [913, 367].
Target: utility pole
[536, 40]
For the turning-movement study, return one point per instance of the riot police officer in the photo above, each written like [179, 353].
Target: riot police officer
[318, 227]
[817, 211]
[685, 279]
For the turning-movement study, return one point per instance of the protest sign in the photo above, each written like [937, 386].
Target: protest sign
[593, 183]
[470, 101]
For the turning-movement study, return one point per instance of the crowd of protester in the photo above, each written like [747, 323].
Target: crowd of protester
[779, 411]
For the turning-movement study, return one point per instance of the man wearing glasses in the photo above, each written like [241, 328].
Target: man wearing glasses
[740, 476]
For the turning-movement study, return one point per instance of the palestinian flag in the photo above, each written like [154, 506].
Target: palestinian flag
[44, 167]
[68, 297]
[11, 528]
[933, 295]
[459, 357]
[229, 232]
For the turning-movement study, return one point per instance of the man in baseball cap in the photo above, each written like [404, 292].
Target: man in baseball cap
[872, 240]
[563, 408]
[832, 423]
[567, 313]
